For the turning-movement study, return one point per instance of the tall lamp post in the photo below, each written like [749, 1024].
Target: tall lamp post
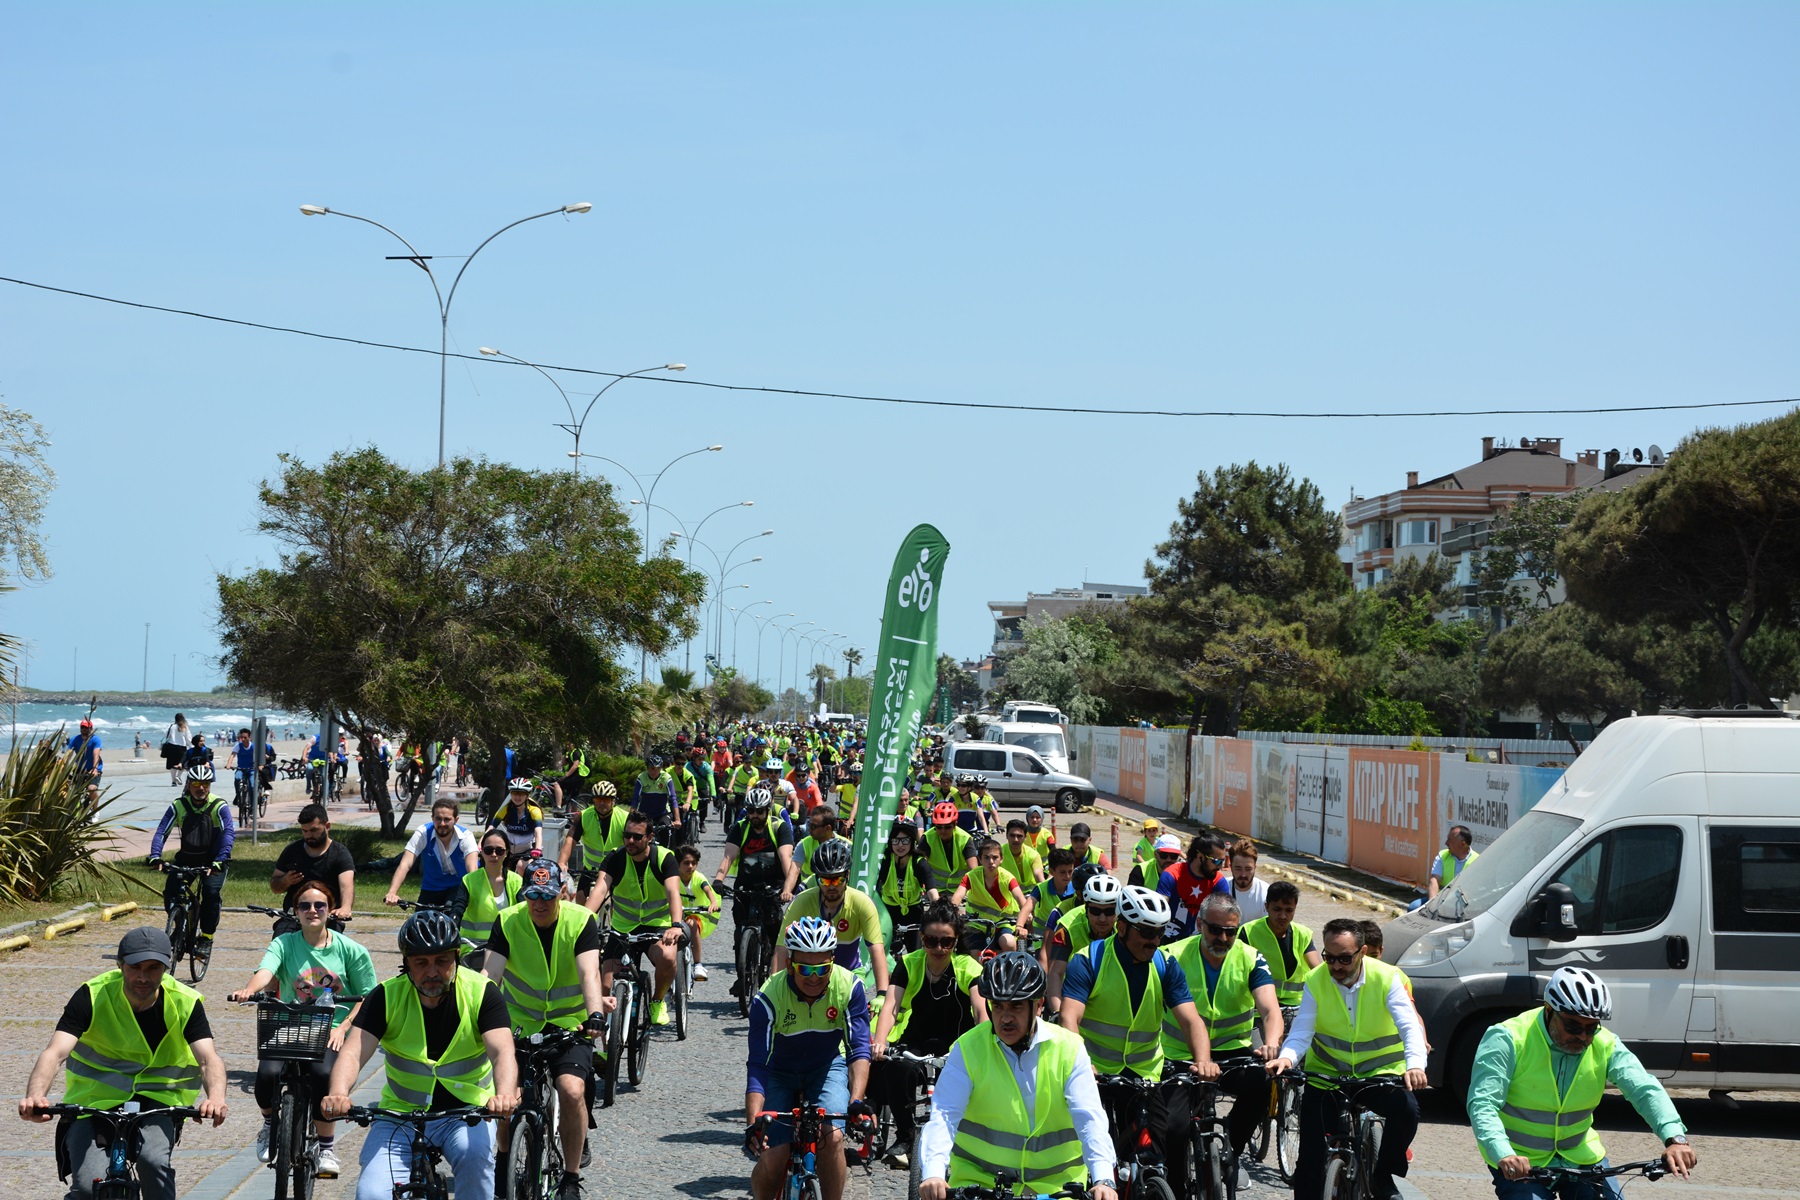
[692, 536]
[762, 623]
[781, 656]
[577, 424]
[734, 626]
[444, 299]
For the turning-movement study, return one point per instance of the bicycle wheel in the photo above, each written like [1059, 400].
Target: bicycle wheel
[520, 1174]
[303, 1147]
[639, 1062]
[807, 1188]
[1218, 1176]
[1368, 1148]
[1258, 1149]
[262, 802]
[913, 1171]
[175, 925]
[1154, 1187]
[616, 1039]
[749, 955]
[197, 963]
[281, 1144]
[1287, 1133]
[1340, 1179]
[551, 1103]
[678, 991]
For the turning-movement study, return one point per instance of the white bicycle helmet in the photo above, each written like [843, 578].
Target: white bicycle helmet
[1102, 889]
[1579, 992]
[200, 772]
[758, 798]
[519, 785]
[1141, 906]
[811, 935]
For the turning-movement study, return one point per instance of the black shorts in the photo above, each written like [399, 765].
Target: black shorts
[577, 1059]
[617, 948]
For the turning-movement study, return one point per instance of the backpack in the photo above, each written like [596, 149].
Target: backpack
[201, 831]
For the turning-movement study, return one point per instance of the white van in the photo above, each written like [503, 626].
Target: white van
[1047, 740]
[1018, 778]
[1031, 711]
[1667, 860]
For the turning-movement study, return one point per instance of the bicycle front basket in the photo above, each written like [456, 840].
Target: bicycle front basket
[288, 1035]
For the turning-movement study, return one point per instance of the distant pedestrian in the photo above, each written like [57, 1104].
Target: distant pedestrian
[175, 748]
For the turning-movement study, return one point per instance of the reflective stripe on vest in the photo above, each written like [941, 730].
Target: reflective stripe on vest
[1287, 987]
[983, 903]
[540, 992]
[1541, 1124]
[481, 910]
[1118, 1037]
[640, 899]
[112, 1062]
[995, 1133]
[1228, 1010]
[1364, 1044]
[598, 841]
[464, 1069]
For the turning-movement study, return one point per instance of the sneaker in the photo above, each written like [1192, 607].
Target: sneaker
[897, 1159]
[587, 1154]
[328, 1165]
[1243, 1174]
[203, 949]
[570, 1187]
[262, 1141]
[699, 973]
[659, 1013]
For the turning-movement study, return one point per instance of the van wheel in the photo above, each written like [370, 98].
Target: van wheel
[1068, 801]
[1459, 1068]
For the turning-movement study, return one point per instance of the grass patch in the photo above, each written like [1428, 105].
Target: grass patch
[247, 881]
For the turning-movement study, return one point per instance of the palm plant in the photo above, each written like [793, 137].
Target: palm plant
[852, 660]
[51, 834]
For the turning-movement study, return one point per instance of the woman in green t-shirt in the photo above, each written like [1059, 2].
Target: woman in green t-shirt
[309, 966]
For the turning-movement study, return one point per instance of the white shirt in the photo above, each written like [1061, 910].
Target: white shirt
[451, 858]
[1399, 1006]
[950, 1099]
[1252, 901]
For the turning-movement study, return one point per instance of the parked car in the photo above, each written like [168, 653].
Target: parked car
[1667, 860]
[1018, 777]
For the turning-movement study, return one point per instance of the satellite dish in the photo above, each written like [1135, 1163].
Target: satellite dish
[1656, 455]
[1637, 455]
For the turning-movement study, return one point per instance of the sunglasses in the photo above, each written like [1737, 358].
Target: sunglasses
[1150, 933]
[831, 879]
[1228, 932]
[312, 906]
[941, 943]
[494, 851]
[1101, 912]
[635, 837]
[1576, 1028]
[813, 970]
[1341, 960]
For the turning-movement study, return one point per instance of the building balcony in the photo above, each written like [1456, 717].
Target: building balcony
[1464, 538]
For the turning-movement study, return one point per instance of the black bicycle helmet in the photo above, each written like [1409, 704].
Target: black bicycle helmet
[654, 761]
[1014, 975]
[430, 931]
[832, 858]
[1083, 873]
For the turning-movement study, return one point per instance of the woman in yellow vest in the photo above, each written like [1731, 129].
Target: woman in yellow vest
[930, 1003]
[902, 884]
[979, 1120]
[486, 890]
[100, 1037]
[994, 895]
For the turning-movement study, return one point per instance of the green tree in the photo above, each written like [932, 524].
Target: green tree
[820, 674]
[852, 660]
[26, 482]
[1712, 539]
[964, 691]
[1055, 661]
[1522, 565]
[475, 597]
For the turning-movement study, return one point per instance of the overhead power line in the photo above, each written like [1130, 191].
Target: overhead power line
[1075, 410]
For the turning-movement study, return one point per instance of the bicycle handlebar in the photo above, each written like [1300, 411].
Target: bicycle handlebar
[82, 1110]
[362, 1114]
[1650, 1168]
[1004, 1191]
[277, 1002]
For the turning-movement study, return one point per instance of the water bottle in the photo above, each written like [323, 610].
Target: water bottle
[324, 996]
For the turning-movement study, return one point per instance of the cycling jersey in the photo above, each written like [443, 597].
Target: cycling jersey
[794, 1035]
[855, 920]
[655, 798]
[519, 821]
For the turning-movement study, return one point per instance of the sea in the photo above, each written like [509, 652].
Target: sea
[118, 724]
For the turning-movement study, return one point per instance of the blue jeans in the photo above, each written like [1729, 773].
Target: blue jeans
[387, 1156]
[1527, 1189]
[827, 1086]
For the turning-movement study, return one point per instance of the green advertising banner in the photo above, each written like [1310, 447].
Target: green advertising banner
[903, 681]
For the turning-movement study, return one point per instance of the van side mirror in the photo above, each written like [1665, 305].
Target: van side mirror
[1550, 914]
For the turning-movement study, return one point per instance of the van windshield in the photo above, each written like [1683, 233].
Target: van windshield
[1050, 742]
[1498, 869]
[1038, 716]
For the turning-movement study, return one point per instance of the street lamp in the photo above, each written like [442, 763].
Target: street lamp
[423, 262]
[762, 623]
[576, 425]
[781, 655]
[734, 626]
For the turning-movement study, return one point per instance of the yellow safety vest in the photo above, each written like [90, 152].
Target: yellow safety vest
[948, 861]
[966, 970]
[1449, 868]
[112, 1062]
[697, 904]
[639, 900]
[902, 887]
[1362, 1044]
[1541, 1123]
[480, 912]
[1228, 1009]
[997, 1134]
[463, 1068]
[1288, 985]
[994, 904]
[542, 992]
[1023, 864]
[597, 839]
[1120, 1038]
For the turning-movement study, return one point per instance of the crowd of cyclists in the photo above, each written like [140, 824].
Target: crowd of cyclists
[1001, 1009]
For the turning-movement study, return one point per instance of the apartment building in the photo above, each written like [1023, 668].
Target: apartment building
[1010, 616]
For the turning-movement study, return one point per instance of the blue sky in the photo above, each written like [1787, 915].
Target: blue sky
[1273, 207]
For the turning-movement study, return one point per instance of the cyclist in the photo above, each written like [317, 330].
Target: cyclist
[132, 1033]
[445, 852]
[949, 850]
[486, 891]
[700, 905]
[599, 830]
[1188, 883]
[763, 830]
[1095, 919]
[1285, 944]
[806, 788]
[700, 770]
[993, 894]
[1237, 988]
[989, 1112]
[786, 798]
[1538, 1078]
[930, 1003]
[1038, 836]
[653, 794]
[316, 856]
[1054, 896]
[645, 888]
[846, 794]
[821, 829]
[1355, 1019]
[903, 881]
[1020, 859]
[520, 819]
[743, 777]
[1145, 850]
[546, 955]
[1081, 842]
[849, 912]
[243, 766]
[1251, 893]
[1118, 993]
[311, 966]
[207, 833]
[809, 1045]
[444, 1031]
[1165, 854]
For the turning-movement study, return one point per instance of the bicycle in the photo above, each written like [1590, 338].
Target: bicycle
[532, 1166]
[981, 936]
[755, 937]
[183, 920]
[1590, 1177]
[921, 1104]
[241, 798]
[294, 1034]
[1280, 1126]
[424, 1180]
[1140, 1163]
[1006, 1185]
[803, 1152]
[120, 1181]
[1211, 1164]
[628, 1034]
[1353, 1143]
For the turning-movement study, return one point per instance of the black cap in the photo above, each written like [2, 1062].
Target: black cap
[144, 944]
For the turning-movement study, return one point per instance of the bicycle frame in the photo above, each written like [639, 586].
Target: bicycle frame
[421, 1183]
[118, 1182]
[803, 1151]
[1355, 1123]
[1139, 1158]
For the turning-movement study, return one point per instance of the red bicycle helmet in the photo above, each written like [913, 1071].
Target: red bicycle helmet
[943, 813]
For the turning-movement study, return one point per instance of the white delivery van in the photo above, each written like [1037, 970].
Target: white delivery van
[1666, 860]
[1018, 778]
[1033, 711]
[1047, 740]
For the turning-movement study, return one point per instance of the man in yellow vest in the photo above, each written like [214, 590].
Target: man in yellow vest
[1357, 1020]
[445, 1032]
[1452, 860]
[1016, 1094]
[1538, 1079]
[545, 953]
[134, 1033]
[643, 880]
[1019, 858]
[1236, 990]
[599, 831]
[1285, 944]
